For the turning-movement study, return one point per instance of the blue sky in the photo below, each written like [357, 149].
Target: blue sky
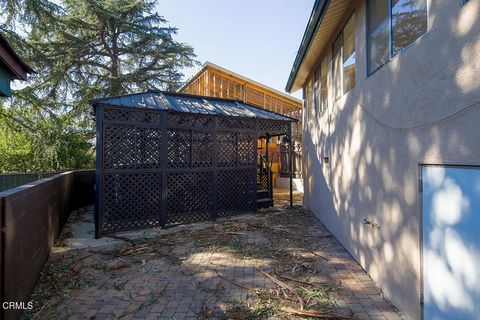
[255, 38]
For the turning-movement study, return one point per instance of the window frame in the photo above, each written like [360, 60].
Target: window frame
[337, 96]
[316, 90]
[390, 36]
[326, 73]
[332, 66]
[308, 99]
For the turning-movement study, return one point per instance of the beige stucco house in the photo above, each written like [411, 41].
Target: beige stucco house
[389, 87]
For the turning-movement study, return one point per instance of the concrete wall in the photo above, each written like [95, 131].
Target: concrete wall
[32, 217]
[423, 107]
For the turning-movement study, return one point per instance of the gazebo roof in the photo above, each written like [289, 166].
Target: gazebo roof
[180, 102]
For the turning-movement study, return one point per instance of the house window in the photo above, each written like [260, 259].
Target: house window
[349, 55]
[316, 90]
[337, 67]
[392, 25]
[309, 97]
[320, 87]
[409, 22]
[378, 31]
[324, 85]
[344, 60]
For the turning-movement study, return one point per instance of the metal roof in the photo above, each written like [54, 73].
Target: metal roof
[180, 102]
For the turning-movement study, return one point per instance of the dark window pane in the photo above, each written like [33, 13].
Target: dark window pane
[409, 22]
[377, 31]
[324, 84]
[337, 67]
[349, 55]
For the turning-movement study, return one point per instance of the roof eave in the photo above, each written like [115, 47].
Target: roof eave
[316, 17]
[10, 58]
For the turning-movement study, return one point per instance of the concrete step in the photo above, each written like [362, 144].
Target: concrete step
[264, 203]
[263, 194]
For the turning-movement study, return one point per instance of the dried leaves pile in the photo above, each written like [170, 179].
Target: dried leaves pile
[295, 267]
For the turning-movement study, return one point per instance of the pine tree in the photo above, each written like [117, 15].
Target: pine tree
[82, 49]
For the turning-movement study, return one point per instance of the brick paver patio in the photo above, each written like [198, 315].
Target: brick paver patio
[254, 266]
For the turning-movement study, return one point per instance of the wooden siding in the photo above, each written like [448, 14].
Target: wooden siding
[213, 82]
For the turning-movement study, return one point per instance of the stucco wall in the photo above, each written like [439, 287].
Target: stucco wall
[420, 108]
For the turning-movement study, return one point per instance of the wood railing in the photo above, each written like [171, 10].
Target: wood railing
[265, 176]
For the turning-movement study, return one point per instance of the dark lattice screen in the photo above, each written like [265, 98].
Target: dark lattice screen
[189, 196]
[160, 168]
[131, 201]
[273, 128]
[236, 191]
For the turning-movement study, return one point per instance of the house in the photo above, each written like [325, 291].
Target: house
[11, 67]
[391, 144]
[215, 81]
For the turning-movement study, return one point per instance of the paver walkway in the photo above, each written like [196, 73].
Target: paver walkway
[254, 266]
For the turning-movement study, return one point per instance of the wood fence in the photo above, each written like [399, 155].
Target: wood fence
[32, 217]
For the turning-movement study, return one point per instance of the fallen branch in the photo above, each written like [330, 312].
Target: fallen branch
[320, 256]
[299, 281]
[317, 314]
[283, 285]
[233, 282]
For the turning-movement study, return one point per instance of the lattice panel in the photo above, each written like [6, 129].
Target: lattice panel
[245, 149]
[149, 148]
[130, 201]
[119, 147]
[202, 149]
[263, 180]
[273, 127]
[189, 197]
[132, 116]
[179, 147]
[227, 148]
[236, 123]
[235, 193]
[191, 121]
[132, 148]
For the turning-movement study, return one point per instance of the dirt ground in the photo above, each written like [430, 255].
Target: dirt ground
[276, 264]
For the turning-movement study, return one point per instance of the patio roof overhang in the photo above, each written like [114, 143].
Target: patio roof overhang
[187, 103]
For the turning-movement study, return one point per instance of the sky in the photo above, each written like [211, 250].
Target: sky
[258, 39]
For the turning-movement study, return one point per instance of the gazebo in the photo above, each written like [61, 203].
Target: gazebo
[168, 158]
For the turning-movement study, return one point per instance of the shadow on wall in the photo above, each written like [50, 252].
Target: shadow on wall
[451, 202]
[377, 140]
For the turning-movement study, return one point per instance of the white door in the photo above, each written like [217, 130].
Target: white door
[451, 242]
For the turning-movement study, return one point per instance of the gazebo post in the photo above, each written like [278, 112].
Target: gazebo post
[267, 141]
[269, 173]
[290, 163]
